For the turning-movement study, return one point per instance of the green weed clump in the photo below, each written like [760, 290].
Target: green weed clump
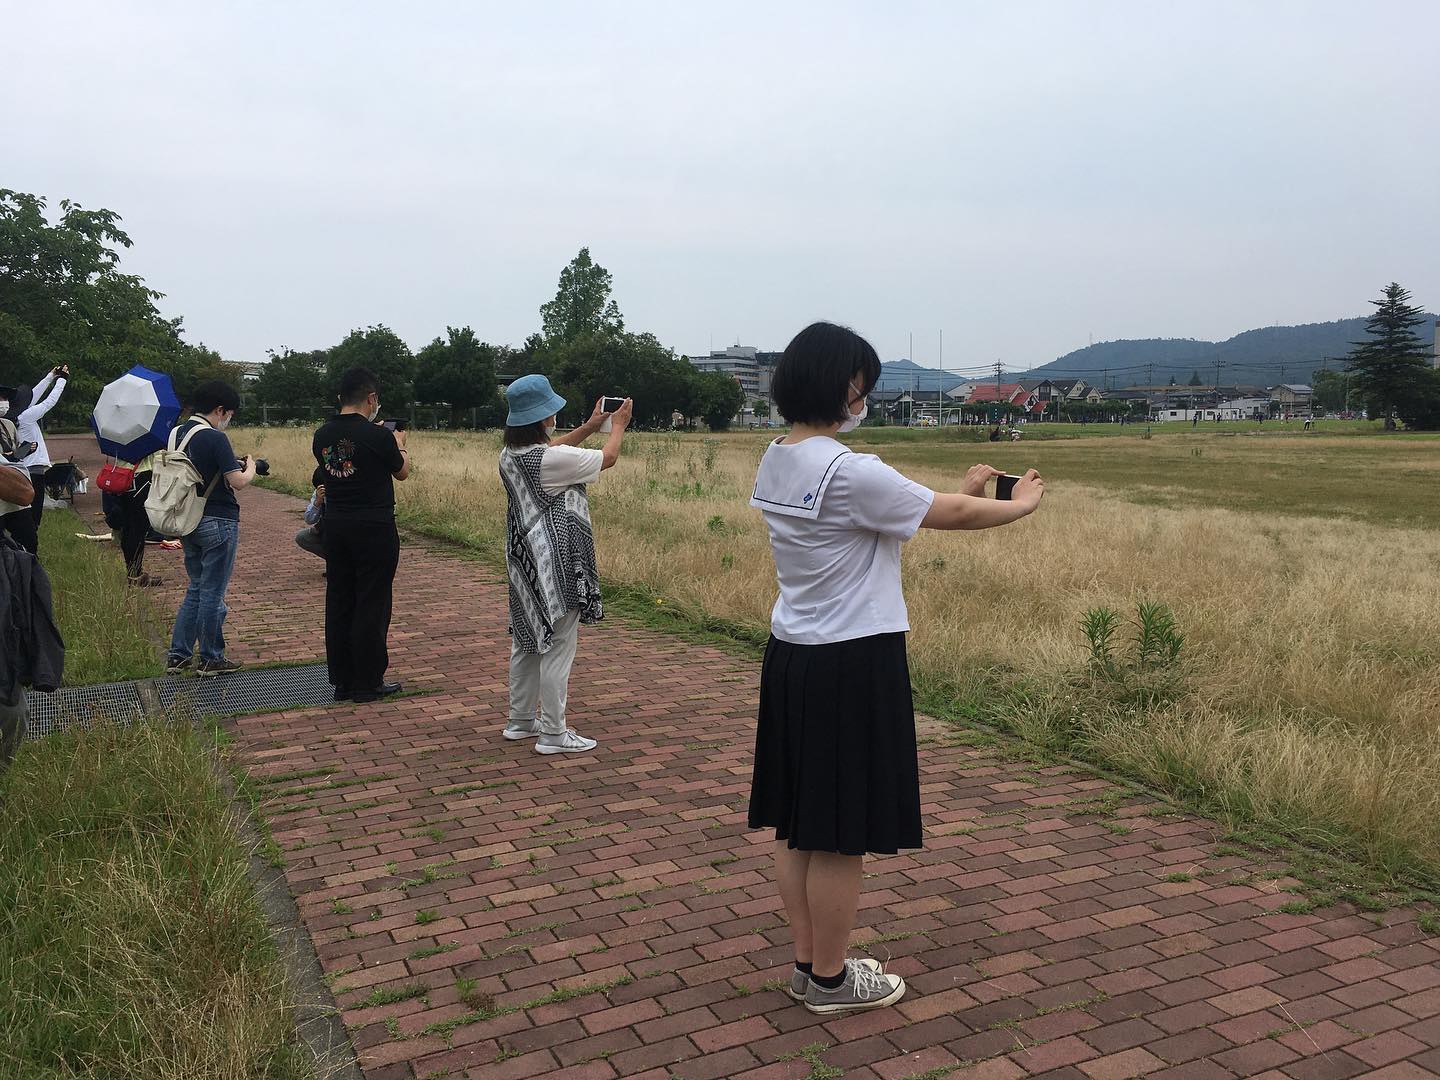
[131, 940]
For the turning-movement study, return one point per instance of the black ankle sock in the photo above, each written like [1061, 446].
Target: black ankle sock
[831, 983]
[802, 967]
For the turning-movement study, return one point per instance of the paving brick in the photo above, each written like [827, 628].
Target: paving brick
[1123, 1065]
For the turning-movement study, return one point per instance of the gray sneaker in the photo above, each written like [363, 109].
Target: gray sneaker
[800, 982]
[521, 729]
[863, 988]
[567, 742]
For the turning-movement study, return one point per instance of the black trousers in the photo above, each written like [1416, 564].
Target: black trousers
[134, 525]
[360, 562]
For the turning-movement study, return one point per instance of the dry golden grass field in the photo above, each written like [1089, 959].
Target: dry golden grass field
[1303, 572]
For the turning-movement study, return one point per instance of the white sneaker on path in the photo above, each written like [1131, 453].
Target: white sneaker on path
[568, 742]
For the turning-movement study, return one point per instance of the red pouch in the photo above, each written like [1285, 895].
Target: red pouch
[116, 478]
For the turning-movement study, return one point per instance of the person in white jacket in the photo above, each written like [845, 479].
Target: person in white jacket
[27, 423]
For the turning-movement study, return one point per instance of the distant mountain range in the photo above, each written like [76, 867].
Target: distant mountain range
[1264, 357]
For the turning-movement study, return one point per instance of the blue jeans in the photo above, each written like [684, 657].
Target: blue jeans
[209, 561]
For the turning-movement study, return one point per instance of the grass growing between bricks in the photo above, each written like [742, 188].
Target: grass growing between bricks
[131, 939]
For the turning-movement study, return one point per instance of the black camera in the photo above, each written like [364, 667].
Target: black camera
[262, 467]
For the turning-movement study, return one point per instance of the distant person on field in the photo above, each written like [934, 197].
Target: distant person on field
[210, 550]
[550, 555]
[357, 461]
[836, 771]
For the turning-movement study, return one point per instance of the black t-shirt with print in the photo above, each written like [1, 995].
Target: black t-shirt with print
[355, 461]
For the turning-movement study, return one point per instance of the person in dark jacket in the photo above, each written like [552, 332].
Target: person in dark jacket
[32, 653]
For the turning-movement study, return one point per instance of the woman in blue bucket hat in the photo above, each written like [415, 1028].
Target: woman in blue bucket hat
[550, 554]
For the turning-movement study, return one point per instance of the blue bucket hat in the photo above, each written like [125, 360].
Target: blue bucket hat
[531, 400]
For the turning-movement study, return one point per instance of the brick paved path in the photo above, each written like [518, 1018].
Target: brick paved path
[609, 915]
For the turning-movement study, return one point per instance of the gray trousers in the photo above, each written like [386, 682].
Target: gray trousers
[541, 681]
[309, 540]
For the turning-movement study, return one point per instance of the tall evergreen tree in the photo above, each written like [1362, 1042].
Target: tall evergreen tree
[582, 303]
[1391, 371]
[1195, 379]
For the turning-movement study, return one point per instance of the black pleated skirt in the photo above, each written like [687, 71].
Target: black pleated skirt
[835, 763]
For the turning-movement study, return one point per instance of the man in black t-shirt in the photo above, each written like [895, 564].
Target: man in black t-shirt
[210, 549]
[358, 461]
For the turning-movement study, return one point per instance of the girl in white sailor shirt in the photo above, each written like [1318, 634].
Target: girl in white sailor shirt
[836, 772]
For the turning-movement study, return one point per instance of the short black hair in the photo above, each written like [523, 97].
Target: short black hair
[812, 380]
[523, 435]
[212, 395]
[356, 385]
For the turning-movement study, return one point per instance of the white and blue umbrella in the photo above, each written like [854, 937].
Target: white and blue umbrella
[135, 414]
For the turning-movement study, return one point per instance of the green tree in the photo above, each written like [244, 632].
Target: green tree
[64, 298]
[459, 371]
[1329, 390]
[1194, 379]
[582, 303]
[380, 349]
[762, 409]
[717, 398]
[1391, 371]
[293, 384]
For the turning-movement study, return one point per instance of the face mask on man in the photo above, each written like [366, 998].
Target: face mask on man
[224, 421]
[374, 416]
[854, 419]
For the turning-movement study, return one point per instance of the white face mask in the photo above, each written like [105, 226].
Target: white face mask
[854, 420]
[224, 422]
[4, 408]
[549, 430]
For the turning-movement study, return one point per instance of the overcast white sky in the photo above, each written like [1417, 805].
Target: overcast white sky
[1022, 175]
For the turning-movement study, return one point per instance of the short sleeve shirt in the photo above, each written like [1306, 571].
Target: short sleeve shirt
[837, 520]
[356, 461]
[566, 466]
[210, 452]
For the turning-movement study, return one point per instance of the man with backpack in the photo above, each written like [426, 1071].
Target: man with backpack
[199, 443]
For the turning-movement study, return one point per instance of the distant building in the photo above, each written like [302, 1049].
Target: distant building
[1245, 408]
[1292, 399]
[740, 362]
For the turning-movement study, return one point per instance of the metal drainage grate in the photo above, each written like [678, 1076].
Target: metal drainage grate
[79, 706]
[245, 692]
[260, 690]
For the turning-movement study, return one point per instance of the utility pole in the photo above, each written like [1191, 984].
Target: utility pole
[940, 397]
[1218, 365]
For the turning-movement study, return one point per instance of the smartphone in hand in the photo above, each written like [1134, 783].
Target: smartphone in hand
[1005, 486]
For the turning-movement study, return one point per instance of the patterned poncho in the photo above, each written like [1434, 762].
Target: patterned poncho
[549, 553]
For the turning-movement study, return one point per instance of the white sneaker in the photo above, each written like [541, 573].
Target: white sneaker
[522, 729]
[568, 742]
